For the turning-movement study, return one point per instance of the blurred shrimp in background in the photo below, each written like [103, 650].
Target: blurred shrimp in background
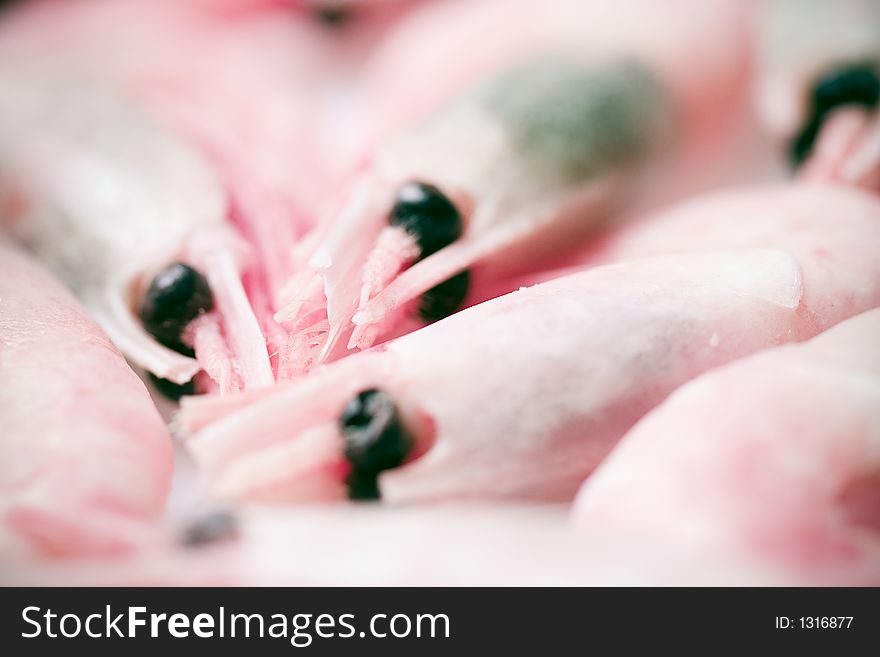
[485, 167]
[819, 85]
[243, 84]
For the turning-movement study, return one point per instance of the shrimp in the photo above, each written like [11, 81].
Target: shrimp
[560, 124]
[134, 222]
[402, 421]
[260, 101]
[819, 220]
[87, 460]
[820, 87]
[772, 460]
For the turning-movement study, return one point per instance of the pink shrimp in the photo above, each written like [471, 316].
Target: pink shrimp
[658, 323]
[256, 86]
[820, 87]
[560, 116]
[113, 204]
[87, 460]
[652, 324]
[819, 221]
[242, 87]
[771, 461]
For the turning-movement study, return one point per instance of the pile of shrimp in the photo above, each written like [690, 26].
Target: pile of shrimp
[407, 292]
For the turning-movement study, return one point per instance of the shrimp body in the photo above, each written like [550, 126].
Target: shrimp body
[106, 199]
[532, 154]
[94, 160]
[806, 219]
[497, 400]
[260, 102]
[769, 462]
[87, 459]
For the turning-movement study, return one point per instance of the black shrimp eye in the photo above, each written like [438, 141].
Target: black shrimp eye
[177, 295]
[210, 528]
[333, 16]
[171, 390]
[375, 440]
[444, 299]
[855, 84]
[428, 215]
